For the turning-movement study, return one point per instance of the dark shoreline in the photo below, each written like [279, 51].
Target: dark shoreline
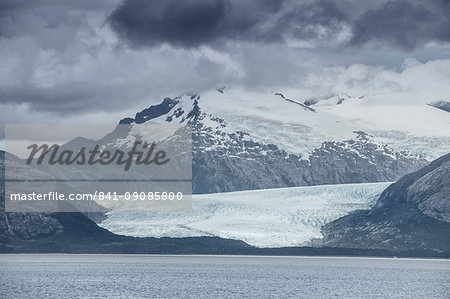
[80, 235]
[199, 246]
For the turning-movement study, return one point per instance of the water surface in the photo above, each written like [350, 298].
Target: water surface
[158, 276]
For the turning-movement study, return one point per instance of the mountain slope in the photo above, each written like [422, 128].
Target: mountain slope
[259, 141]
[230, 155]
[410, 214]
[75, 233]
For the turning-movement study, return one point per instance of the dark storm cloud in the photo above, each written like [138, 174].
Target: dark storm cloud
[305, 21]
[404, 24]
[192, 23]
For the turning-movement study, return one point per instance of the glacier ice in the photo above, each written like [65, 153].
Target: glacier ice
[264, 218]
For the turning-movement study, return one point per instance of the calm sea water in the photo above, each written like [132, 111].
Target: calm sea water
[150, 276]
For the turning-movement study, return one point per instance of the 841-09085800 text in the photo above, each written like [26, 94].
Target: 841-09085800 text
[102, 196]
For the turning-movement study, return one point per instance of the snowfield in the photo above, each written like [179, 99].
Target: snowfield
[263, 218]
[416, 127]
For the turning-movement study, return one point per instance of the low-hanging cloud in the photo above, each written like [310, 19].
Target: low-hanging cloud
[404, 24]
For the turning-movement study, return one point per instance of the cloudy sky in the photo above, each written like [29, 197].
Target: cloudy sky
[99, 61]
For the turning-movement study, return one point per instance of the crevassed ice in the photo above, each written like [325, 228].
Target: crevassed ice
[263, 218]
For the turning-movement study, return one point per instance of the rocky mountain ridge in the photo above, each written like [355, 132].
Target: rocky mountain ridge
[412, 213]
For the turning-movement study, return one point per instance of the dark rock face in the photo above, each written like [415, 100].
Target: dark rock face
[126, 121]
[304, 105]
[151, 112]
[359, 160]
[225, 162]
[22, 225]
[443, 105]
[411, 214]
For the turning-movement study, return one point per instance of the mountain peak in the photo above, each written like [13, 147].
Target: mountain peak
[306, 107]
[337, 99]
[168, 110]
[222, 89]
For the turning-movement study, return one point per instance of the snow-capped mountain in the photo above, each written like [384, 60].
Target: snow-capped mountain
[245, 141]
[278, 118]
[289, 122]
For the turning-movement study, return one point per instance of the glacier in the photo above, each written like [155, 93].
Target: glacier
[264, 218]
